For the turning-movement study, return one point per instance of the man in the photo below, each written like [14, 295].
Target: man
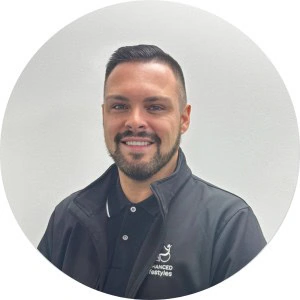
[148, 228]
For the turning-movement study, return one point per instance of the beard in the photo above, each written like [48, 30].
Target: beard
[142, 171]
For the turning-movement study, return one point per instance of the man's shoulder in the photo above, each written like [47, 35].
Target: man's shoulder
[218, 198]
[62, 209]
[89, 199]
[216, 206]
[77, 208]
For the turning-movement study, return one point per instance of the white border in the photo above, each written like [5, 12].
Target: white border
[27, 25]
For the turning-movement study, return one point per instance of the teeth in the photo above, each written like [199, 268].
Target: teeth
[135, 143]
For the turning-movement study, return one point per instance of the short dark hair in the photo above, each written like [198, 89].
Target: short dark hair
[147, 53]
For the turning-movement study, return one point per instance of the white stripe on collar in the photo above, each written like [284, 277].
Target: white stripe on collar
[107, 210]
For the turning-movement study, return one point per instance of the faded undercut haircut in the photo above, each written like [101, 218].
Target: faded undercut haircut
[147, 53]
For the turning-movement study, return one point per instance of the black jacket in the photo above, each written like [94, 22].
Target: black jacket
[202, 236]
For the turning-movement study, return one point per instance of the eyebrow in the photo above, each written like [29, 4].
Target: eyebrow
[125, 99]
[156, 98]
[116, 97]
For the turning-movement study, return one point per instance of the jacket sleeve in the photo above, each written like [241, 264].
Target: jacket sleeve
[45, 245]
[237, 242]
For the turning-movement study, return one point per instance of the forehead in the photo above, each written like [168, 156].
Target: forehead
[138, 76]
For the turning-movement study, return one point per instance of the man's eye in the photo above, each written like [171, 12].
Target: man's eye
[155, 108]
[119, 106]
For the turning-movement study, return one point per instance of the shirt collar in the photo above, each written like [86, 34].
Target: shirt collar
[91, 201]
[117, 201]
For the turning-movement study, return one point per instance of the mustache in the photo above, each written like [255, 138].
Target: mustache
[128, 133]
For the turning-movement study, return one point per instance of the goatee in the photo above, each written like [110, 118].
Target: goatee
[142, 171]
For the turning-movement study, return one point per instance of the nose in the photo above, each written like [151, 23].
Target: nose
[136, 120]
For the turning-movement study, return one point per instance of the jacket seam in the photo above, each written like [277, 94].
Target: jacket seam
[219, 233]
[216, 187]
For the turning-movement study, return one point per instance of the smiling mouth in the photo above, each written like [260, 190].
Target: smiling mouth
[137, 143]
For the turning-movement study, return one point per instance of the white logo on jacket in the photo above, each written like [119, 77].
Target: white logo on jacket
[163, 270]
[164, 257]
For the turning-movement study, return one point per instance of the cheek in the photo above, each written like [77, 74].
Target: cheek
[167, 133]
[113, 124]
[110, 125]
[109, 133]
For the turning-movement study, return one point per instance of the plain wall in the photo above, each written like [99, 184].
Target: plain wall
[243, 135]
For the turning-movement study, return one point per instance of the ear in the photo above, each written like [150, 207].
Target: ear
[185, 118]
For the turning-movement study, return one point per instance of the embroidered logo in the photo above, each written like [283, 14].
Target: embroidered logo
[161, 269]
[164, 257]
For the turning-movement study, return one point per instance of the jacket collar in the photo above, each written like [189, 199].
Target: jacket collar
[167, 188]
[92, 199]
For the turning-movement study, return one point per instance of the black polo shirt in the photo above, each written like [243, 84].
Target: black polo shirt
[128, 224]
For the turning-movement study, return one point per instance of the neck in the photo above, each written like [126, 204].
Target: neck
[137, 191]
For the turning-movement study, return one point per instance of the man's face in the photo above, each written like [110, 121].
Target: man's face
[142, 119]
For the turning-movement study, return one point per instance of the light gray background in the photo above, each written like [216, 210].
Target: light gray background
[243, 135]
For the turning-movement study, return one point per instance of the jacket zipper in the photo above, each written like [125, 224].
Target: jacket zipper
[144, 272]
